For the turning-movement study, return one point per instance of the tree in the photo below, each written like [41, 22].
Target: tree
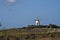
[53, 26]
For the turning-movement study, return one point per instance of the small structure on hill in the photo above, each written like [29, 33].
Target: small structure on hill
[37, 22]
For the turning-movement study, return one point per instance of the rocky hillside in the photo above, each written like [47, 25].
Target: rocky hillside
[31, 33]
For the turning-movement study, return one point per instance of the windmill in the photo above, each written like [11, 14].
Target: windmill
[37, 22]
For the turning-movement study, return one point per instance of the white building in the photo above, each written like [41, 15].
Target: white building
[37, 22]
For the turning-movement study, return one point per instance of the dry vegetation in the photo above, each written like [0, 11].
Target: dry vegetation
[30, 33]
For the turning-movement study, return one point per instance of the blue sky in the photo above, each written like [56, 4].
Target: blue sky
[23, 12]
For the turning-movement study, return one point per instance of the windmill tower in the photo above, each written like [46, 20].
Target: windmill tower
[37, 22]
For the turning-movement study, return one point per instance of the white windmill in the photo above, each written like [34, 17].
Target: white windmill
[37, 22]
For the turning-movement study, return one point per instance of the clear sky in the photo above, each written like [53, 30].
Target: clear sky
[23, 12]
